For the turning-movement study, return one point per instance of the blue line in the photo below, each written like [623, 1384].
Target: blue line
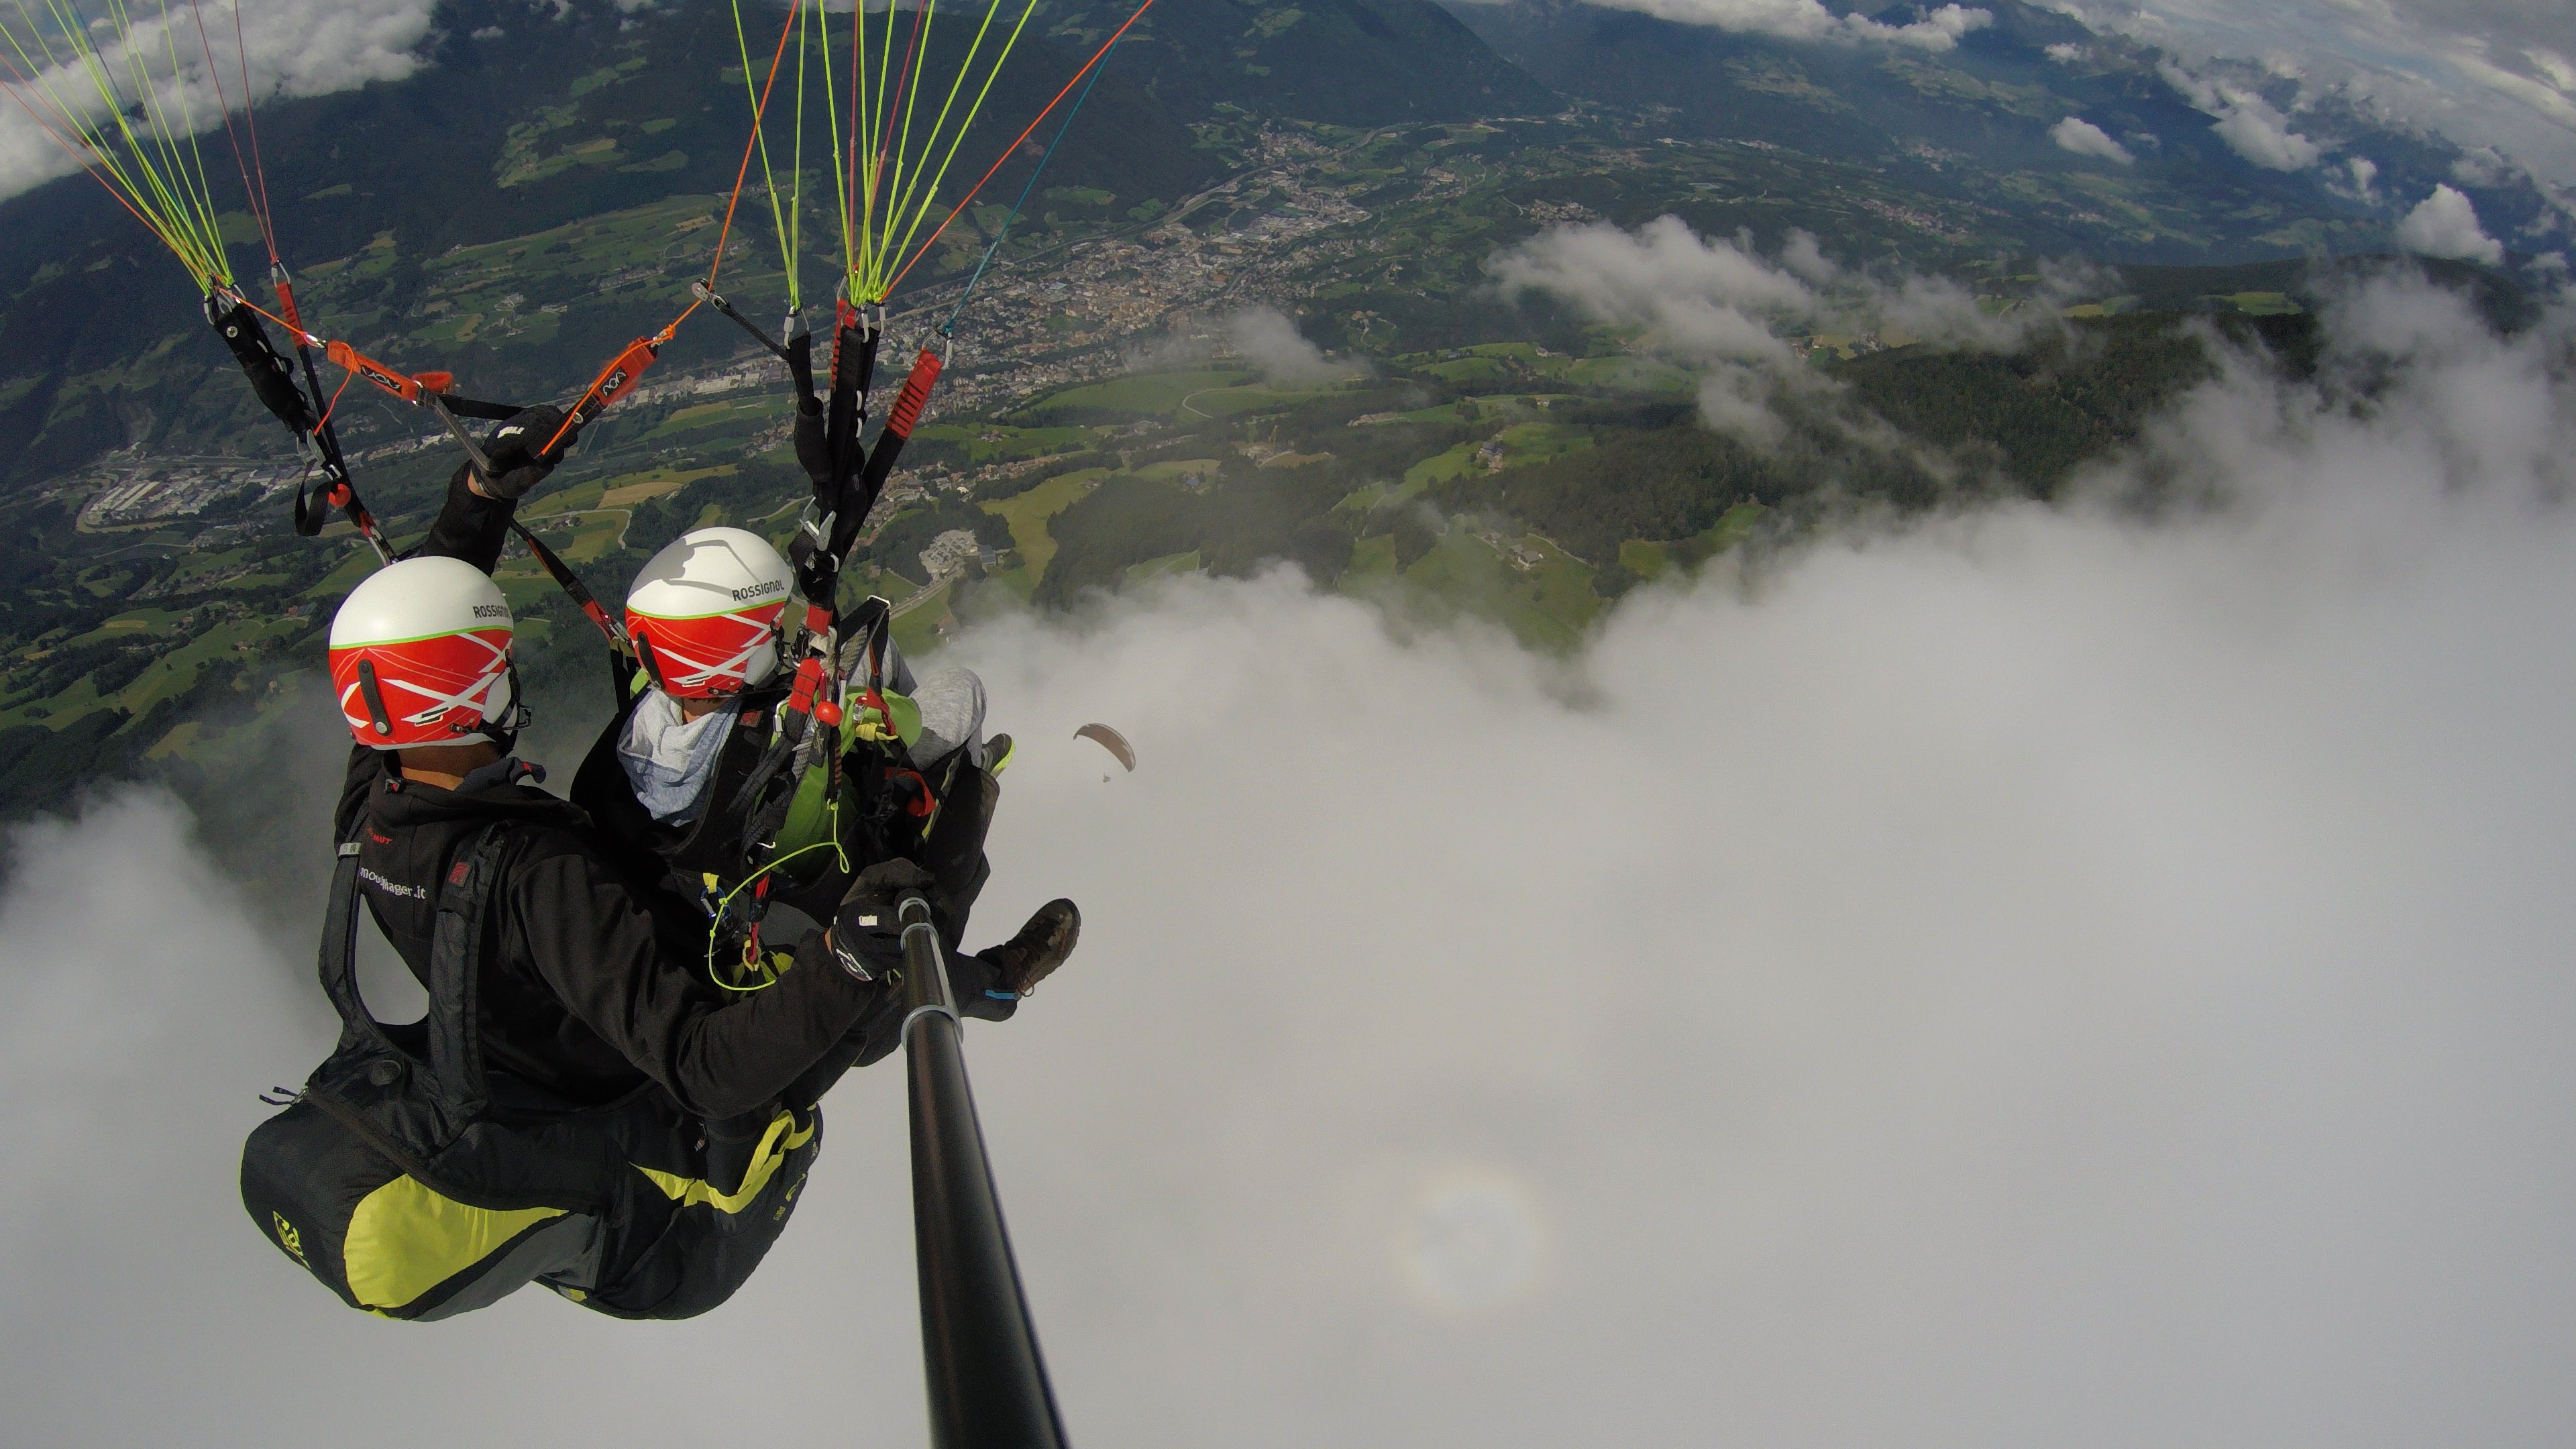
[949, 327]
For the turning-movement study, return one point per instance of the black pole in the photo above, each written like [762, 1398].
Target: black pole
[988, 1384]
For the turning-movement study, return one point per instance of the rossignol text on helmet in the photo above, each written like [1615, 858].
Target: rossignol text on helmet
[704, 613]
[420, 655]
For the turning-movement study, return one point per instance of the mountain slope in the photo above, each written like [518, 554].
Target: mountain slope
[535, 196]
[1339, 62]
[1974, 122]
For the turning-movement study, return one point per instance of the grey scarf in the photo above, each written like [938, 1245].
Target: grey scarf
[670, 760]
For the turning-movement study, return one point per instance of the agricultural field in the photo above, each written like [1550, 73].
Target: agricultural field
[1459, 451]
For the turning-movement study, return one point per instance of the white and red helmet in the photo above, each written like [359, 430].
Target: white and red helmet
[420, 655]
[704, 613]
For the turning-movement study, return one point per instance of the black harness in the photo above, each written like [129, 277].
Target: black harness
[416, 1182]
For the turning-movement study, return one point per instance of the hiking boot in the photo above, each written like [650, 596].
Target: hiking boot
[1041, 946]
[997, 756]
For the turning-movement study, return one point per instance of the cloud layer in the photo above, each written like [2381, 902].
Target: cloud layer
[294, 47]
[2086, 139]
[1730, 314]
[1268, 339]
[2250, 125]
[1931, 29]
[2041, 977]
[2445, 224]
[2482, 72]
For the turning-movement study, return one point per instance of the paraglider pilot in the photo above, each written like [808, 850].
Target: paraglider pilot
[546, 1121]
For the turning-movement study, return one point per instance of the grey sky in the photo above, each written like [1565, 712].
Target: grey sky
[2501, 22]
[2037, 979]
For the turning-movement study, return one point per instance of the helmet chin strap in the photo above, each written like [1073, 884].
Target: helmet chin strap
[515, 716]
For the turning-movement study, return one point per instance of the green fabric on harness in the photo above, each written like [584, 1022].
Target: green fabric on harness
[809, 818]
[391, 1179]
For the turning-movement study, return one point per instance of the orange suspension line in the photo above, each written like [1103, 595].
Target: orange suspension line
[620, 375]
[1007, 151]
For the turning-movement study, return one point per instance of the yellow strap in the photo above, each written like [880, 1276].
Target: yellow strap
[783, 1137]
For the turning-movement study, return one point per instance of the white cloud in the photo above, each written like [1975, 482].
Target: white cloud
[2557, 69]
[1718, 307]
[1937, 29]
[2475, 71]
[2364, 186]
[1268, 339]
[1706, 299]
[2445, 224]
[295, 48]
[2085, 981]
[2263, 136]
[2249, 124]
[2065, 52]
[2086, 139]
[2481, 166]
[2543, 93]
[1712, 305]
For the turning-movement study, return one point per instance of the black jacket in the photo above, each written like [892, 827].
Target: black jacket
[586, 993]
[670, 862]
[581, 996]
[469, 526]
[678, 856]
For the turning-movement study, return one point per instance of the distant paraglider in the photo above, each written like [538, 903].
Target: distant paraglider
[1112, 741]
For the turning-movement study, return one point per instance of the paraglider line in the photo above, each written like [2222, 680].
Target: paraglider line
[886, 153]
[334, 404]
[949, 327]
[741, 173]
[215, 73]
[760, 136]
[148, 195]
[78, 154]
[250, 120]
[930, 194]
[968, 199]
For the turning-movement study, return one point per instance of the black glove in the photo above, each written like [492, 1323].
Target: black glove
[512, 450]
[867, 939]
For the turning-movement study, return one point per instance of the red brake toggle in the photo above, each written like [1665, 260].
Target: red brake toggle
[915, 395]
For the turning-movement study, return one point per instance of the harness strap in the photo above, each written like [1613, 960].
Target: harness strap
[271, 378]
[338, 964]
[574, 589]
[622, 652]
[898, 428]
[466, 407]
[456, 950]
[456, 1073]
[854, 366]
